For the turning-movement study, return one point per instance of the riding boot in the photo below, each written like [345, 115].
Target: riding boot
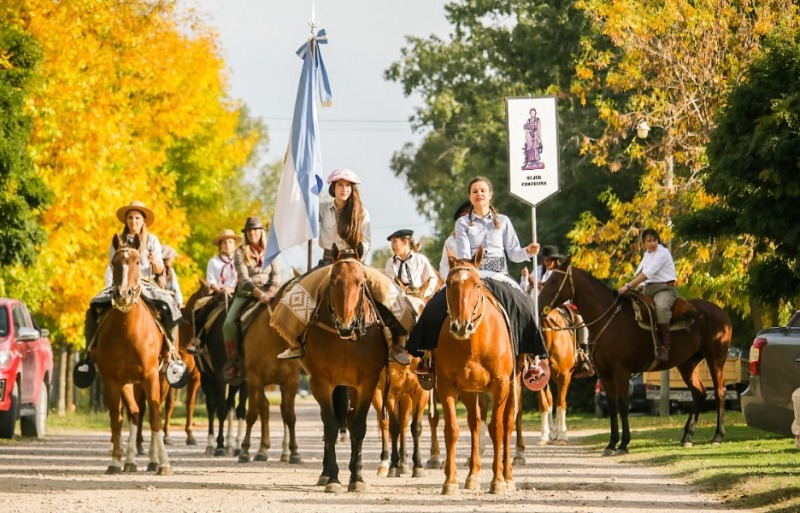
[90, 329]
[662, 351]
[584, 365]
[425, 365]
[231, 369]
[397, 353]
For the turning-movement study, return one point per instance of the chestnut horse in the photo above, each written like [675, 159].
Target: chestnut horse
[127, 352]
[475, 355]
[335, 361]
[262, 344]
[619, 347]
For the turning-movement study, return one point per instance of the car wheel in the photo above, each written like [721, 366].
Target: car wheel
[8, 419]
[35, 425]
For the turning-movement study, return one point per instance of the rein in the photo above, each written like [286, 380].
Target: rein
[359, 326]
[476, 317]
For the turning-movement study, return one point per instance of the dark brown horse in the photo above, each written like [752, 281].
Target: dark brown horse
[262, 344]
[619, 347]
[475, 355]
[336, 363]
[127, 352]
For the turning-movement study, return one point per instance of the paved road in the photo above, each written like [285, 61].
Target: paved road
[65, 472]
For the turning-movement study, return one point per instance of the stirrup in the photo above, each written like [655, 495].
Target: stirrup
[662, 354]
[400, 356]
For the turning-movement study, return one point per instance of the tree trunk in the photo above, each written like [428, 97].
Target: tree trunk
[62, 379]
[775, 312]
[755, 314]
[69, 403]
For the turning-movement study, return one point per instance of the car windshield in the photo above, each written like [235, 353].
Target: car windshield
[3, 322]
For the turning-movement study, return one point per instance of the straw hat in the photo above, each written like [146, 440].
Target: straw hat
[149, 217]
[226, 234]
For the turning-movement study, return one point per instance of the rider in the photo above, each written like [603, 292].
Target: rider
[657, 273]
[253, 283]
[410, 268]
[484, 226]
[345, 222]
[221, 279]
[171, 285]
[136, 217]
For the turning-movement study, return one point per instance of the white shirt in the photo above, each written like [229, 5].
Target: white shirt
[153, 247]
[657, 266]
[173, 286]
[473, 231]
[221, 273]
[444, 263]
[419, 272]
[328, 235]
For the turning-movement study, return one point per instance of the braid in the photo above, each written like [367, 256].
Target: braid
[496, 216]
[471, 219]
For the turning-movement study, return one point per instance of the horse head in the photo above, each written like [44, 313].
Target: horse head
[464, 292]
[126, 271]
[346, 294]
[559, 288]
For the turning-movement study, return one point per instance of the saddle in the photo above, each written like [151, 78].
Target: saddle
[683, 313]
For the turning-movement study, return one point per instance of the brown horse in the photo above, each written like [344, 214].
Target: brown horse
[262, 344]
[619, 347]
[475, 355]
[127, 352]
[334, 361]
[558, 328]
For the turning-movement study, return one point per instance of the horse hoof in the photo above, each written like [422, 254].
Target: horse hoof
[237, 452]
[113, 469]
[609, 452]
[393, 472]
[621, 452]
[323, 480]
[357, 486]
[716, 444]
[164, 470]
[687, 445]
[221, 452]
[284, 458]
[497, 488]
[403, 470]
[209, 451]
[450, 489]
[473, 483]
[168, 441]
[228, 451]
[244, 458]
[383, 471]
[511, 486]
[152, 466]
[333, 488]
[519, 461]
[130, 468]
[295, 459]
[418, 472]
[190, 440]
[260, 457]
[433, 464]
[560, 441]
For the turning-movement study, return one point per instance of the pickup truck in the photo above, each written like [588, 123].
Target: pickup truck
[735, 376]
[774, 376]
[26, 371]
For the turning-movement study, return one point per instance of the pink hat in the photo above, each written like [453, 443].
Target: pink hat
[343, 174]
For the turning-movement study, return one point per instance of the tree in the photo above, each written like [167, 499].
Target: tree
[753, 154]
[24, 195]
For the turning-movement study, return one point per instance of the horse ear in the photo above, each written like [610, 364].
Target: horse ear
[478, 257]
[116, 242]
[335, 252]
[360, 251]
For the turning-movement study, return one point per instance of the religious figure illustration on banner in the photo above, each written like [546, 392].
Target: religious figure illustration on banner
[533, 143]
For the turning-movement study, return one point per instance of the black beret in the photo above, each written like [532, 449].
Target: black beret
[400, 234]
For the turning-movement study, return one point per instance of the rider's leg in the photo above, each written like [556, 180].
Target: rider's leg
[231, 334]
[663, 300]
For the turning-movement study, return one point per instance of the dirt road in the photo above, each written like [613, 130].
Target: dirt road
[65, 472]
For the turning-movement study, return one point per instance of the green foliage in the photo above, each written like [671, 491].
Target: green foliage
[22, 194]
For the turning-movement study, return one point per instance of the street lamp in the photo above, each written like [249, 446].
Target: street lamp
[642, 130]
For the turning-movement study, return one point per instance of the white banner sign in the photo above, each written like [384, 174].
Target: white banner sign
[533, 148]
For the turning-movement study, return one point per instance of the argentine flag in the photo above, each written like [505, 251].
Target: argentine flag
[296, 216]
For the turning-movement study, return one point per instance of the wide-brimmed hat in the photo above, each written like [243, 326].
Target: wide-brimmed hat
[401, 234]
[462, 207]
[551, 252]
[343, 174]
[168, 252]
[253, 223]
[226, 234]
[149, 216]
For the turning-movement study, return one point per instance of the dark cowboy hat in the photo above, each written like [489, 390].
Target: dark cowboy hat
[401, 234]
[461, 208]
[149, 216]
[253, 223]
[551, 252]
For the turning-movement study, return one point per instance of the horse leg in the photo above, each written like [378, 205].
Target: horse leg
[191, 399]
[561, 409]
[448, 397]
[241, 414]
[169, 408]
[158, 451]
[288, 394]
[222, 411]
[623, 401]
[474, 413]
[416, 432]
[483, 410]
[719, 393]
[114, 404]
[135, 420]
[613, 438]
[263, 414]
[500, 431]
[403, 415]
[393, 407]
[383, 432]
[324, 394]
[434, 461]
[509, 415]
[358, 429]
[257, 394]
[546, 412]
[691, 377]
[519, 456]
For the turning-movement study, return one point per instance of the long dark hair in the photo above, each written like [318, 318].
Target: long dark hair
[350, 220]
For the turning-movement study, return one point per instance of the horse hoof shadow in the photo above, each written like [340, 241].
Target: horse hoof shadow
[333, 488]
[450, 489]
[356, 486]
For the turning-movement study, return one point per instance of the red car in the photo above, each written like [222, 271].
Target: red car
[26, 371]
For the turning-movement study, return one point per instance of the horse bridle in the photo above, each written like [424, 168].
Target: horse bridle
[136, 289]
[476, 317]
[359, 326]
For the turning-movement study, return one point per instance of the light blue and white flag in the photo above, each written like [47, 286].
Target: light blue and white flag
[296, 216]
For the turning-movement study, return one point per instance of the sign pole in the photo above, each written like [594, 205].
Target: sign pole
[535, 269]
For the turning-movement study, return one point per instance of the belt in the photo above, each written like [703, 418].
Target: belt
[496, 264]
[671, 283]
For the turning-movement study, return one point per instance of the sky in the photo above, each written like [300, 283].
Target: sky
[368, 121]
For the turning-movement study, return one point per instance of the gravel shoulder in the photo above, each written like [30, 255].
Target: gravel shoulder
[66, 472]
